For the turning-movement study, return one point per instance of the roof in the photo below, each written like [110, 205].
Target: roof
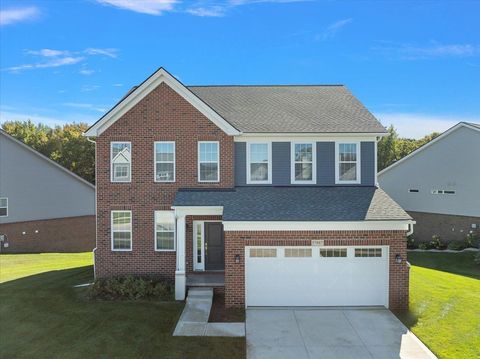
[296, 203]
[45, 158]
[470, 125]
[259, 109]
[290, 109]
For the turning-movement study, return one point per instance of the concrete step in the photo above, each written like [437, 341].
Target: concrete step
[200, 293]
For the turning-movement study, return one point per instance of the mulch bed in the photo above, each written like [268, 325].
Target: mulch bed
[220, 314]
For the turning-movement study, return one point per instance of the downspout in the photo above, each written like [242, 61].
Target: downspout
[96, 224]
[410, 228]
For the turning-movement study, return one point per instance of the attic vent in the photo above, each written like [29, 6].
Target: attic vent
[413, 190]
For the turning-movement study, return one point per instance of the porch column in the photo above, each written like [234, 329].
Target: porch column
[180, 278]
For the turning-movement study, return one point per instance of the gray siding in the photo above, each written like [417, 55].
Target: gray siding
[37, 189]
[281, 162]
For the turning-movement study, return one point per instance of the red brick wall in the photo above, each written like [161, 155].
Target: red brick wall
[71, 234]
[162, 115]
[236, 241]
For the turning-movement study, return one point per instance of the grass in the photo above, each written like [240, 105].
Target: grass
[44, 316]
[444, 303]
[13, 266]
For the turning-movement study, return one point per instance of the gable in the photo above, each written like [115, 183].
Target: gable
[142, 91]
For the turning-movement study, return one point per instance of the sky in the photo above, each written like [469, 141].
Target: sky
[414, 64]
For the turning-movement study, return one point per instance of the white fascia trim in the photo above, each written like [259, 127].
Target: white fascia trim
[317, 226]
[309, 137]
[161, 75]
[425, 146]
[181, 211]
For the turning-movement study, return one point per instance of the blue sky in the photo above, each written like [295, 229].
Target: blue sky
[415, 64]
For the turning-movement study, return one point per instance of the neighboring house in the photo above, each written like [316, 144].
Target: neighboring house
[43, 206]
[438, 184]
[271, 188]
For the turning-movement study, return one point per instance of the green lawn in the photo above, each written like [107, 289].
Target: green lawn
[445, 303]
[43, 316]
[13, 266]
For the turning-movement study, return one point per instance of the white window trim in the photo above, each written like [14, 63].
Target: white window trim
[6, 199]
[130, 231]
[314, 163]
[198, 161]
[155, 231]
[337, 163]
[111, 163]
[155, 161]
[269, 149]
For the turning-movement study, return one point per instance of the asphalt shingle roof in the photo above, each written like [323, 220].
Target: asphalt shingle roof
[297, 203]
[273, 109]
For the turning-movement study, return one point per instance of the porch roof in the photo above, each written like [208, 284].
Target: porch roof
[296, 203]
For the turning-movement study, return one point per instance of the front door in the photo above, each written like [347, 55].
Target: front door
[214, 246]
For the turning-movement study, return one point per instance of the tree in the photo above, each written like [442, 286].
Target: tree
[63, 144]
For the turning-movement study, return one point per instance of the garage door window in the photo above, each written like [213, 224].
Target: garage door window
[298, 252]
[333, 252]
[368, 252]
[263, 252]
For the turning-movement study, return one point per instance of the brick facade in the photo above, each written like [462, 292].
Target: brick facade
[71, 234]
[162, 115]
[236, 241]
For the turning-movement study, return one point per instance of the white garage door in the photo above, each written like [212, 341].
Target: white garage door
[316, 276]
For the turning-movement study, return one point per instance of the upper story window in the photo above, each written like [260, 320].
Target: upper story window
[164, 161]
[3, 207]
[259, 163]
[121, 230]
[121, 161]
[303, 163]
[164, 231]
[347, 163]
[208, 161]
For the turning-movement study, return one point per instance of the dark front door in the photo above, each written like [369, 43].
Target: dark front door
[214, 246]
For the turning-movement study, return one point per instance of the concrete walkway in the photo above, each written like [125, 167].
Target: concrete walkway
[194, 318]
[353, 333]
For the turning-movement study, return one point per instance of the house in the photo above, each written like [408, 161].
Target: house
[43, 206]
[438, 184]
[266, 191]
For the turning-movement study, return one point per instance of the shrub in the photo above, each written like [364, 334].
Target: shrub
[131, 288]
[456, 245]
[423, 245]
[411, 242]
[437, 243]
[471, 240]
[476, 259]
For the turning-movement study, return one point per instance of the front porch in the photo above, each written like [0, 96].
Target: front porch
[206, 279]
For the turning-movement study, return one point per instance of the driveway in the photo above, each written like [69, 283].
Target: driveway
[329, 333]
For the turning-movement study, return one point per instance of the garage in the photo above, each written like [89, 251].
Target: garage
[316, 276]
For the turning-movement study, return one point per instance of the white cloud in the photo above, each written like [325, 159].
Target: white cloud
[48, 53]
[89, 88]
[151, 7]
[55, 62]
[417, 125]
[87, 106]
[86, 72]
[332, 29]
[117, 85]
[213, 11]
[11, 16]
[105, 52]
[434, 50]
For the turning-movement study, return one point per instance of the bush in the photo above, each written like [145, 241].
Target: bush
[456, 245]
[423, 245]
[411, 242]
[437, 243]
[471, 241]
[131, 288]
[476, 259]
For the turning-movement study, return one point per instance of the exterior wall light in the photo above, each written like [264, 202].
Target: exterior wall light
[237, 258]
[398, 258]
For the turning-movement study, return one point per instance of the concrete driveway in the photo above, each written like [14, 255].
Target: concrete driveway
[329, 333]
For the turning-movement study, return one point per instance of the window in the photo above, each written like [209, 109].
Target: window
[3, 207]
[120, 153]
[333, 252]
[164, 231]
[412, 190]
[303, 163]
[208, 162]
[122, 230]
[263, 252]
[347, 160]
[298, 252]
[164, 161]
[368, 252]
[259, 159]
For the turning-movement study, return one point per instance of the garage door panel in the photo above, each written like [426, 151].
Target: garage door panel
[317, 281]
